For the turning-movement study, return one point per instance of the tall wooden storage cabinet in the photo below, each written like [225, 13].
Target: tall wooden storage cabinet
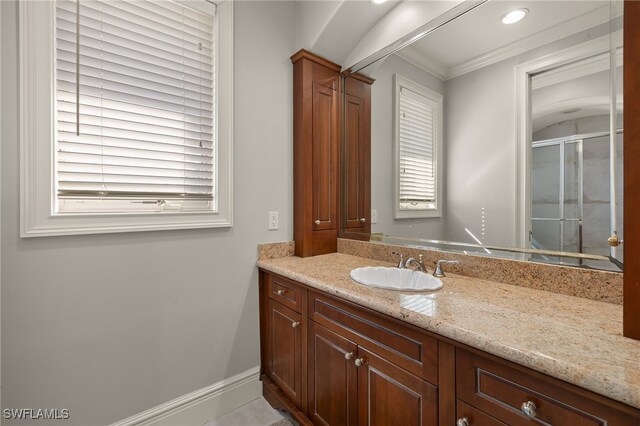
[357, 154]
[316, 141]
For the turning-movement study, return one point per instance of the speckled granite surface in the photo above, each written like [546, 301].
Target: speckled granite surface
[276, 250]
[591, 284]
[574, 339]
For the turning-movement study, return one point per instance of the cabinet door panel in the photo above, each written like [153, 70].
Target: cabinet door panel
[388, 395]
[354, 184]
[285, 350]
[332, 378]
[325, 157]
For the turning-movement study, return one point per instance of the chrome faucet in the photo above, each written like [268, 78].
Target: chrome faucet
[439, 273]
[419, 264]
[401, 262]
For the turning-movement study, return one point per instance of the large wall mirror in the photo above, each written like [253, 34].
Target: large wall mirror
[500, 133]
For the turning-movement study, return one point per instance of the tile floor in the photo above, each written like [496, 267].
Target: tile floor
[255, 413]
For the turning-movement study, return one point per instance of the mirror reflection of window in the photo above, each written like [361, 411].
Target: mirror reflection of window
[418, 140]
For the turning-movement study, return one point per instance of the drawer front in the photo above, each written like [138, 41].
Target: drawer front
[285, 291]
[475, 417]
[502, 391]
[405, 347]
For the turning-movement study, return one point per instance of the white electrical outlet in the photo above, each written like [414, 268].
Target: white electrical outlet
[374, 216]
[273, 220]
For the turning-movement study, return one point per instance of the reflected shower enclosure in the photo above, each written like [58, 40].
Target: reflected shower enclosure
[570, 199]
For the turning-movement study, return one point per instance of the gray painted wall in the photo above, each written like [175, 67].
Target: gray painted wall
[382, 150]
[110, 325]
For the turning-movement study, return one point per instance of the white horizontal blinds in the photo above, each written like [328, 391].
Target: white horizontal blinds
[135, 99]
[417, 119]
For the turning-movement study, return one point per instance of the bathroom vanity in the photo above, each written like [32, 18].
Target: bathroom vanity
[477, 352]
[468, 139]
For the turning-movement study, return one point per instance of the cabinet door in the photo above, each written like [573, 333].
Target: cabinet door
[285, 350]
[325, 157]
[388, 395]
[356, 149]
[332, 378]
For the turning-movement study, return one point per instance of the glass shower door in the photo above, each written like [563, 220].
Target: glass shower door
[557, 196]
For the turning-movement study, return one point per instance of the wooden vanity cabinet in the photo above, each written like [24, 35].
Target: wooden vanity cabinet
[328, 361]
[389, 395]
[357, 154]
[283, 335]
[285, 351]
[517, 396]
[360, 359]
[316, 141]
[350, 385]
[333, 378]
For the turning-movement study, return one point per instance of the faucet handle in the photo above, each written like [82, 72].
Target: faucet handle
[421, 262]
[439, 273]
[401, 264]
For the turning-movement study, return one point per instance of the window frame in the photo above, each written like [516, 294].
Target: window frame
[37, 139]
[399, 82]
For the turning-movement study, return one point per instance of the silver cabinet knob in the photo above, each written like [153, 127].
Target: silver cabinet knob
[363, 220]
[295, 324]
[280, 292]
[317, 222]
[359, 361]
[529, 408]
[463, 422]
[348, 355]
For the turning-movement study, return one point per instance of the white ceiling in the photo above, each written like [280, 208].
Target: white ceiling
[332, 29]
[480, 36]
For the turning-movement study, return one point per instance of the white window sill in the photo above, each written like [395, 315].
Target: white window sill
[417, 213]
[83, 224]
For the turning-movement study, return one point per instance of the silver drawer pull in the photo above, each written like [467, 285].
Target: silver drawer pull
[529, 409]
[280, 292]
[348, 355]
[363, 220]
[359, 361]
[295, 324]
[317, 221]
[463, 422]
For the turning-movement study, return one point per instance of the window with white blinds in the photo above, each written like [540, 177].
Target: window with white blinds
[417, 147]
[135, 105]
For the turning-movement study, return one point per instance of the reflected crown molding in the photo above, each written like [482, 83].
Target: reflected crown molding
[583, 22]
[565, 29]
[582, 68]
[412, 55]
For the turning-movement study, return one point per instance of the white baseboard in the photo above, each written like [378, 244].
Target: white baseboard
[197, 408]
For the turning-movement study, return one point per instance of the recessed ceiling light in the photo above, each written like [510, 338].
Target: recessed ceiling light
[378, 1]
[514, 16]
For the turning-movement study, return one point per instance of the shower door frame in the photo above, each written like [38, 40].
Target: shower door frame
[562, 142]
[524, 127]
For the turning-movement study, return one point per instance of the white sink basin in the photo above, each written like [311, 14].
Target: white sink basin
[395, 279]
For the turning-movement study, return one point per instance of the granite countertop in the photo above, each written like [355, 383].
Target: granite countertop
[573, 339]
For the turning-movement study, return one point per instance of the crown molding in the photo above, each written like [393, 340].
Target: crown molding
[414, 57]
[583, 67]
[562, 30]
